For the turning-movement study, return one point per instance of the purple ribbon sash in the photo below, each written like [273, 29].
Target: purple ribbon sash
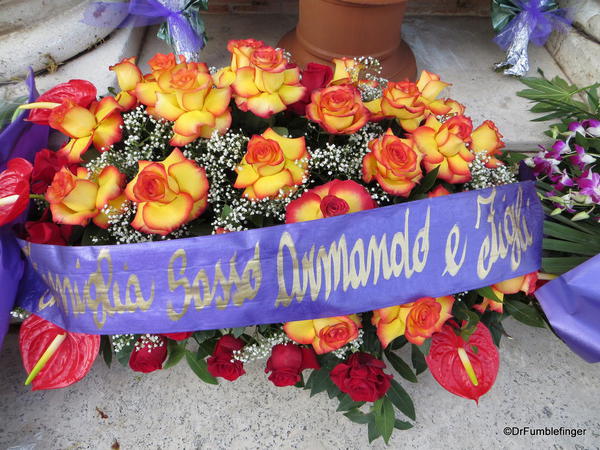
[330, 267]
[572, 304]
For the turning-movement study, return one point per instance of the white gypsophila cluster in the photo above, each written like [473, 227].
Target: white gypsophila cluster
[345, 161]
[145, 139]
[120, 341]
[485, 177]
[260, 350]
[19, 313]
[220, 155]
[378, 194]
[350, 347]
[119, 225]
[149, 342]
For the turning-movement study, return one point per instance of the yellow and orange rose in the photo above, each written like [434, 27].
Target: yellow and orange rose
[338, 109]
[264, 84]
[325, 335]
[272, 163]
[167, 194]
[394, 162]
[75, 199]
[486, 138]
[128, 76]
[417, 321]
[399, 100]
[444, 146]
[185, 94]
[100, 125]
[523, 283]
[328, 200]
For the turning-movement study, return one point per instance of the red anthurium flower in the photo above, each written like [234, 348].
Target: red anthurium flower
[81, 92]
[53, 357]
[287, 361]
[14, 189]
[467, 369]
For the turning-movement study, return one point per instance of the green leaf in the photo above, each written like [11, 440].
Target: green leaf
[560, 265]
[488, 292]
[237, 332]
[470, 326]
[524, 313]
[357, 416]
[106, 349]
[401, 399]
[570, 247]
[373, 432]
[320, 381]
[425, 346]
[124, 354]
[565, 232]
[427, 182]
[176, 352]
[401, 367]
[199, 367]
[201, 336]
[402, 425]
[347, 404]
[384, 417]
[418, 360]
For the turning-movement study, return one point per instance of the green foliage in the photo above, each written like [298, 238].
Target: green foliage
[400, 366]
[557, 99]
[527, 314]
[199, 367]
[106, 349]
[176, 352]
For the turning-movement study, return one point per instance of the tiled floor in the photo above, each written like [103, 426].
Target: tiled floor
[541, 383]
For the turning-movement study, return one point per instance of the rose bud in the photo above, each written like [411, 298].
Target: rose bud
[149, 354]
[221, 363]
[287, 361]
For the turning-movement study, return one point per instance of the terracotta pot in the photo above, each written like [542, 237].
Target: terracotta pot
[334, 28]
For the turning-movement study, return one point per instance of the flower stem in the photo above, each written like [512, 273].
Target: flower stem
[58, 340]
[37, 197]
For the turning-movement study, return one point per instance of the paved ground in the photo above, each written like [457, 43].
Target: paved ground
[540, 384]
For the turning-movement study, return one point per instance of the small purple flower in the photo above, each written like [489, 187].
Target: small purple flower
[592, 126]
[558, 148]
[581, 158]
[589, 184]
[576, 127]
[562, 180]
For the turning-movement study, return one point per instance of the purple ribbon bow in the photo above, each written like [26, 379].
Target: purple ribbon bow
[141, 13]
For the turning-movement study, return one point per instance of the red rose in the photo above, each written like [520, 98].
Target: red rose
[287, 361]
[46, 164]
[47, 233]
[221, 363]
[149, 354]
[315, 76]
[14, 189]
[178, 336]
[81, 92]
[361, 377]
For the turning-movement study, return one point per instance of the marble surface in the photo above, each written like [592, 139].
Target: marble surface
[540, 384]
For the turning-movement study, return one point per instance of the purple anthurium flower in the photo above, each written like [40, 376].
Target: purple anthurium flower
[589, 184]
[592, 126]
[581, 158]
